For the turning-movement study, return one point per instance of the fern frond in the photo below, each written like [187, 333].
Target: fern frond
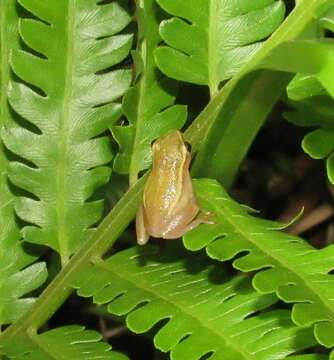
[148, 104]
[313, 107]
[319, 144]
[17, 276]
[200, 309]
[69, 105]
[286, 264]
[16, 280]
[209, 41]
[224, 117]
[311, 91]
[68, 342]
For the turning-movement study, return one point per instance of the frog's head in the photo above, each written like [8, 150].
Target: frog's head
[170, 145]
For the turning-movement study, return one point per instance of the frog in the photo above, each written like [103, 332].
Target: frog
[169, 208]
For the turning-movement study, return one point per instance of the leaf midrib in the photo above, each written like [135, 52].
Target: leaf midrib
[127, 277]
[212, 44]
[133, 171]
[64, 137]
[146, 75]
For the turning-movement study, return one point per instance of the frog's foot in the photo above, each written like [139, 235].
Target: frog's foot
[206, 218]
[202, 218]
[142, 235]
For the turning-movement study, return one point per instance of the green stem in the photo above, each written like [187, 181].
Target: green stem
[220, 121]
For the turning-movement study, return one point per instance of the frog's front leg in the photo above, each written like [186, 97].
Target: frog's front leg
[142, 234]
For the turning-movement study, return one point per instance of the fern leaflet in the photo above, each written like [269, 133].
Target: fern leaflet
[200, 309]
[64, 343]
[315, 108]
[209, 41]
[286, 264]
[310, 89]
[148, 104]
[17, 278]
[69, 105]
[319, 143]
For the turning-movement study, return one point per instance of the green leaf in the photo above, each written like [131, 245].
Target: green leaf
[285, 264]
[210, 41]
[319, 143]
[63, 343]
[68, 101]
[147, 105]
[304, 86]
[110, 229]
[240, 108]
[16, 280]
[244, 112]
[96, 245]
[200, 310]
[314, 107]
[319, 63]
[309, 357]
[17, 276]
[314, 111]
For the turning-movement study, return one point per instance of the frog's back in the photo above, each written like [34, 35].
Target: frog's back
[168, 197]
[164, 185]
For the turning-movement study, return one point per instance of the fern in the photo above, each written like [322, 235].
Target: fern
[17, 278]
[286, 265]
[98, 244]
[69, 106]
[224, 118]
[201, 311]
[147, 105]
[68, 342]
[209, 41]
[319, 143]
[312, 103]
[314, 108]
[312, 91]
[127, 282]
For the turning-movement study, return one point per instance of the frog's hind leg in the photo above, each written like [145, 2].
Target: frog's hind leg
[142, 235]
[202, 218]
